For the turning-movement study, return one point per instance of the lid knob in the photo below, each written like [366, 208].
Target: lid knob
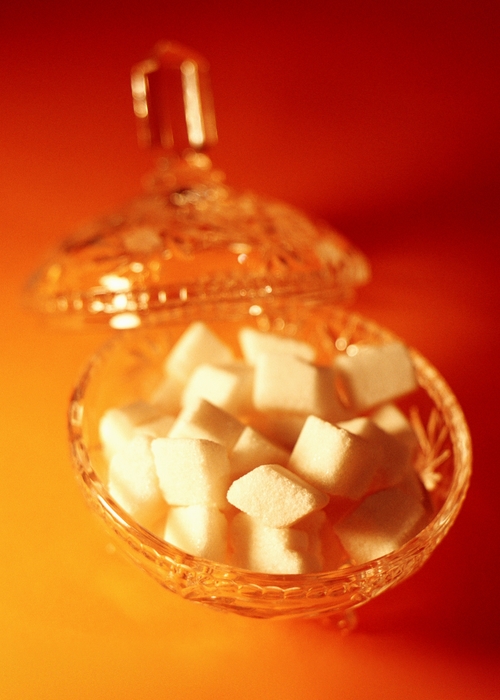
[172, 100]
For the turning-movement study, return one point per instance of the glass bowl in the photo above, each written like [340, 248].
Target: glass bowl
[128, 368]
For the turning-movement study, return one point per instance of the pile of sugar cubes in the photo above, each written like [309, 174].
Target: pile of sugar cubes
[270, 461]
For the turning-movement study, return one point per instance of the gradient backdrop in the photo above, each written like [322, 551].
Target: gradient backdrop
[381, 117]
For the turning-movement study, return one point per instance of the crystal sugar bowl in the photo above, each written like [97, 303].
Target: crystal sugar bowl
[191, 249]
[126, 371]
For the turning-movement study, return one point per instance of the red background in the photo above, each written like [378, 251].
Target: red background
[381, 117]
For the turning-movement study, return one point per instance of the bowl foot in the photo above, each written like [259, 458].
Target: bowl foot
[344, 622]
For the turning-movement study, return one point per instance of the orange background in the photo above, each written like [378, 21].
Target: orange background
[381, 117]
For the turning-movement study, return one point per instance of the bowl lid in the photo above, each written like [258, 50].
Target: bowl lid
[189, 240]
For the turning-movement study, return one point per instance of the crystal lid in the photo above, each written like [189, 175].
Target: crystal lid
[189, 240]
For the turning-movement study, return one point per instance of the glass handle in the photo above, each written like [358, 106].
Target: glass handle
[172, 100]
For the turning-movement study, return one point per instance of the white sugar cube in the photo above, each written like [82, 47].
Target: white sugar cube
[334, 555]
[133, 482]
[313, 525]
[168, 394]
[226, 386]
[254, 342]
[382, 523]
[393, 421]
[275, 496]
[266, 549]
[201, 419]
[156, 428]
[191, 471]
[199, 530]
[395, 457]
[280, 426]
[324, 550]
[198, 344]
[117, 425]
[413, 485]
[287, 383]
[334, 460]
[375, 374]
[253, 449]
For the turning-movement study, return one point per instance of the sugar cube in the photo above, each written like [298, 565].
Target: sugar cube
[117, 425]
[324, 551]
[156, 428]
[382, 523]
[168, 394]
[334, 555]
[313, 525]
[412, 484]
[375, 374]
[268, 550]
[227, 386]
[393, 421]
[275, 495]
[133, 482]
[199, 530]
[254, 342]
[395, 457]
[253, 449]
[201, 419]
[191, 471]
[287, 383]
[198, 344]
[281, 426]
[334, 460]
